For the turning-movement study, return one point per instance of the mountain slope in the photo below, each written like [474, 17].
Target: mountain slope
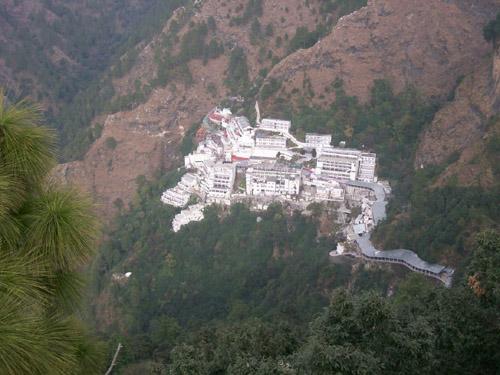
[175, 80]
[427, 44]
[52, 49]
[465, 133]
[149, 134]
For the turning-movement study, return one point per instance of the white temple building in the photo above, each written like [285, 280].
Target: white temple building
[314, 139]
[269, 162]
[282, 126]
[367, 165]
[273, 179]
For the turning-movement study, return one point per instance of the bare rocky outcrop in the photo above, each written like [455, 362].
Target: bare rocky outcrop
[428, 44]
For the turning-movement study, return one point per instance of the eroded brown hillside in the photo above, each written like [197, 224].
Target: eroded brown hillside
[464, 128]
[428, 44]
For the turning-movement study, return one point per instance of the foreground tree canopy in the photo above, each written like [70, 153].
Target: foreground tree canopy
[46, 234]
[420, 330]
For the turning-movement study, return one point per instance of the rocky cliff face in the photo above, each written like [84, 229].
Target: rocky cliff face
[462, 129]
[428, 44]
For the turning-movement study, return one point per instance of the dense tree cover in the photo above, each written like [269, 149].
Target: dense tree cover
[253, 10]
[342, 7]
[229, 268]
[420, 330]
[304, 38]
[193, 45]
[237, 72]
[438, 223]
[269, 88]
[47, 234]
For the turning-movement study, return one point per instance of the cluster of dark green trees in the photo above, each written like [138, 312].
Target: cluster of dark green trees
[419, 330]
[303, 38]
[47, 234]
[491, 31]
[193, 45]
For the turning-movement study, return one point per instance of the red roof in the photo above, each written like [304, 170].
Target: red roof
[237, 158]
[215, 117]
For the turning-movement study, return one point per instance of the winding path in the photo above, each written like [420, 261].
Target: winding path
[400, 256]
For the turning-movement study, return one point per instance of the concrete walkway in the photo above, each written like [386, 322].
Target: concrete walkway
[400, 256]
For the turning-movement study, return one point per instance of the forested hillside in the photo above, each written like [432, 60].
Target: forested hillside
[244, 292]
[60, 53]
[419, 330]
[233, 266]
[51, 50]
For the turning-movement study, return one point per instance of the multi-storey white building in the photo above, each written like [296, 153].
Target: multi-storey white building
[282, 126]
[175, 197]
[218, 180]
[367, 164]
[315, 139]
[273, 179]
[327, 190]
[338, 163]
[266, 140]
[195, 160]
[179, 195]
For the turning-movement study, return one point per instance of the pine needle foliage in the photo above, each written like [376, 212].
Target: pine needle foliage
[47, 234]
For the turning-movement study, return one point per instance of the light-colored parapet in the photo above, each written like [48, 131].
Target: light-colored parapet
[406, 258]
[400, 256]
